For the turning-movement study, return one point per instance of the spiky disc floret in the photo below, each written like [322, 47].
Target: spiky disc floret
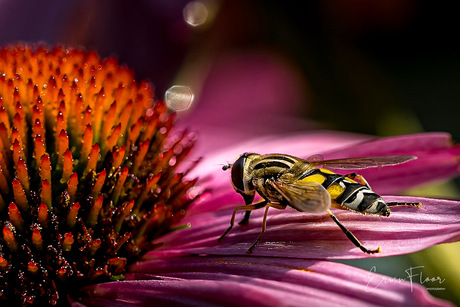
[87, 175]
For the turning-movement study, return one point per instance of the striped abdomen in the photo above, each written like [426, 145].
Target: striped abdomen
[348, 193]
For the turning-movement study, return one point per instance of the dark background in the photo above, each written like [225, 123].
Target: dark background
[378, 67]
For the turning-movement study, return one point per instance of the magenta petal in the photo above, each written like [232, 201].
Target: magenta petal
[293, 234]
[256, 281]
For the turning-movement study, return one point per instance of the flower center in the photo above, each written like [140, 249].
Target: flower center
[87, 172]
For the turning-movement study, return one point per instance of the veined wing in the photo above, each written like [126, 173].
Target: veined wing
[360, 162]
[303, 196]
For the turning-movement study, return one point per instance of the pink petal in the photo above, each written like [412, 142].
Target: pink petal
[302, 235]
[256, 281]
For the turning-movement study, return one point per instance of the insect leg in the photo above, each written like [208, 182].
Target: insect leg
[248, 199]
[245, 207]
[360, 179]
[394, 204]
[245, 219]
[351, 236]
[264, 224]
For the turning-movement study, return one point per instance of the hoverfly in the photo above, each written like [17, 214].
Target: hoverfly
[283, 180]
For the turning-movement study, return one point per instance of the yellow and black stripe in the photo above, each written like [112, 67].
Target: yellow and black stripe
[346, 192]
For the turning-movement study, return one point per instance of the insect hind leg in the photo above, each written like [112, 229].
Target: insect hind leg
[351, 236]
[248, 208]
[395, 204]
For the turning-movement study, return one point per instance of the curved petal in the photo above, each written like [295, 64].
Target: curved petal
[293, 234]
[256, 281]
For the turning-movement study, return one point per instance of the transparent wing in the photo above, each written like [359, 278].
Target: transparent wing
[304, 196]
[360, 162]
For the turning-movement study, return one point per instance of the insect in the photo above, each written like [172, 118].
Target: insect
[284, 180]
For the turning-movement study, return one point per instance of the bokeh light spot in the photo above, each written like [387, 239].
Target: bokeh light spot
[179, 97]
[195, 13]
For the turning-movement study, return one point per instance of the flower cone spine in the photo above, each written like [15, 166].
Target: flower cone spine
[87, 172]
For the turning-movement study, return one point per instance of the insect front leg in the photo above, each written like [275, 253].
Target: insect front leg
[248, 199]
[248, 208]
[351, 236]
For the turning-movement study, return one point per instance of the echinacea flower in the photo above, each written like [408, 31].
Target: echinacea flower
[90, 189]
[87, 172]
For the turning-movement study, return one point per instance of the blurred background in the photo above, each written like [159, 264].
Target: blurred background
[381, 67]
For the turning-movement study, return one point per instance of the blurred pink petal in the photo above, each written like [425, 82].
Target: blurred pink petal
[258, 94]
[256, 281]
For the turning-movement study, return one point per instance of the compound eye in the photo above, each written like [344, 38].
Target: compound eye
[237, 173]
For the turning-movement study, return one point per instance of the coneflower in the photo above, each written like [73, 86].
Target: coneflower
[87, 172]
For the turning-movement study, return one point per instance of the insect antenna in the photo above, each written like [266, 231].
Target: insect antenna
[226, 166]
